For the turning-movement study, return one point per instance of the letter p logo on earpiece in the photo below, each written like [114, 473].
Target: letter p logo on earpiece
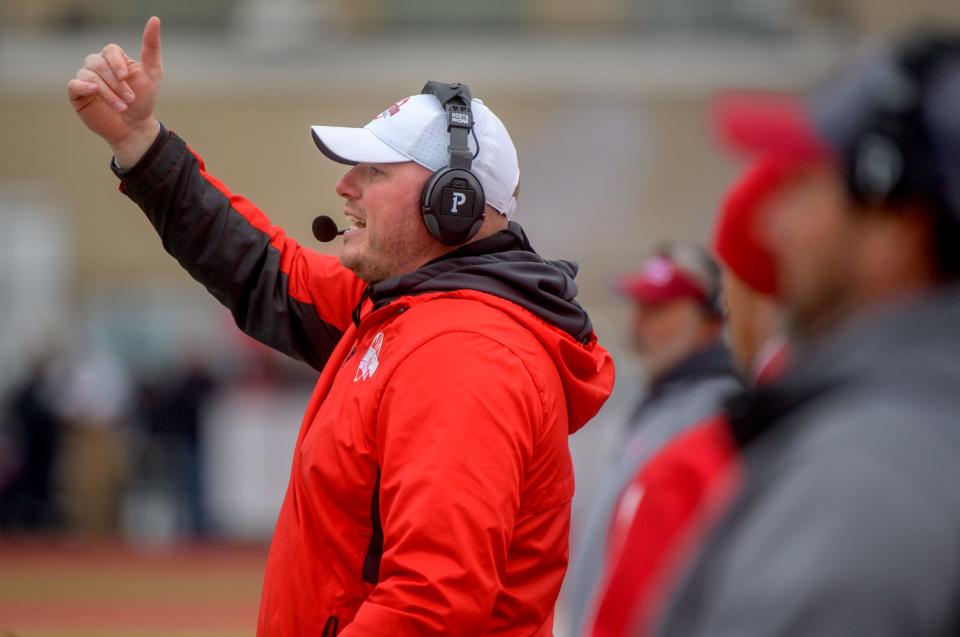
[456, 202]
[459, 199]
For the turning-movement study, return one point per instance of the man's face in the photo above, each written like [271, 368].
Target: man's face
[666, 333]
[815, 238]
[387, 238]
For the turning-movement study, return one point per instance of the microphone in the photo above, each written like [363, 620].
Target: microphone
[325, 229]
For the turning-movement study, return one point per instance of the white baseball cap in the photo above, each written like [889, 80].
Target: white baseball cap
[415, 129]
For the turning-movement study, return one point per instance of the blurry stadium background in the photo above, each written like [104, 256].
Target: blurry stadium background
[144, 442]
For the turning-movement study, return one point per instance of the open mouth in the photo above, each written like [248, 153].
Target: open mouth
[356, 222]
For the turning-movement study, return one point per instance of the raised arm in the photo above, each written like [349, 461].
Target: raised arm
[292, 299]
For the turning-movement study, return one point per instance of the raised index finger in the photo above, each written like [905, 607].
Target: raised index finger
[150, 53]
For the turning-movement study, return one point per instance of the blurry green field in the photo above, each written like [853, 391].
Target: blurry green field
[82, 590]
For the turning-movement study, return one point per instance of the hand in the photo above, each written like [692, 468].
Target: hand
[115, 96]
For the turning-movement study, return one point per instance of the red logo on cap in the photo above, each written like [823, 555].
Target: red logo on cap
[393, 110]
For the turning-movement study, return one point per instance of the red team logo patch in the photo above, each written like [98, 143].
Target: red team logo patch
[393, 110]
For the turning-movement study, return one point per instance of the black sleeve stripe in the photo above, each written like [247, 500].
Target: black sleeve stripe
[222, 250]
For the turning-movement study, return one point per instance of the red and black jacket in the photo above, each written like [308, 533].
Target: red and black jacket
[431, 481]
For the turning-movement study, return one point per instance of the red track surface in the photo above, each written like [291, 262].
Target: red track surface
[103, 588]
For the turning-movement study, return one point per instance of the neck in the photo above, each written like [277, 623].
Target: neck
[891, 261]
[765, 325]
[884, 289]
[493, 223]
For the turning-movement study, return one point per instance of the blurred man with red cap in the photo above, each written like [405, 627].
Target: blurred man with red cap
[676, 330]
[677, 313]
[671, 499]
[847, 517]
[741, 243]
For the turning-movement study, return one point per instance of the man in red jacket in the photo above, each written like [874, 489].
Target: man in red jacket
[431, 481]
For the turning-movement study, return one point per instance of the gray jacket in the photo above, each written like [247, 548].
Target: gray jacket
[693, 390]
[848, 521]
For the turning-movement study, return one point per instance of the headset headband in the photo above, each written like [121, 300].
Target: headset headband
[452, 203]
[455, 100]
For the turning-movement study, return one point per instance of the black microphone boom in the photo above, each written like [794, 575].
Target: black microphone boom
[325, 229]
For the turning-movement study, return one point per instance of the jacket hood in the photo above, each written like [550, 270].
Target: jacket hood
[542, 294]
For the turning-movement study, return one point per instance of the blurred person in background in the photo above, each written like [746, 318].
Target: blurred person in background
[676, 330]
[92, 396]
[33, 431]
[671, 500]
[846, 518]
[173, 407]
[431, 482]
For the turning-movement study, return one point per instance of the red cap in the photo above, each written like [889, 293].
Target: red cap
[738, 239]
[768, 123]
[662, 280]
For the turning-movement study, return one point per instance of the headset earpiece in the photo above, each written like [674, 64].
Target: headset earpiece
[882, 164]
[877, 168]
[452, 205]
[452, 202]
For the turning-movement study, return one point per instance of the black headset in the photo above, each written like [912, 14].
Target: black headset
[452, 203]
[888, 162]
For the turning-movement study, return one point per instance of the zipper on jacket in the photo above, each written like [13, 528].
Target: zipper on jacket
[330, 627]
[367, 293]
[371, 562]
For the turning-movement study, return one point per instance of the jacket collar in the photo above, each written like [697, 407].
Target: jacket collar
[503, 265]
[713, 361]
